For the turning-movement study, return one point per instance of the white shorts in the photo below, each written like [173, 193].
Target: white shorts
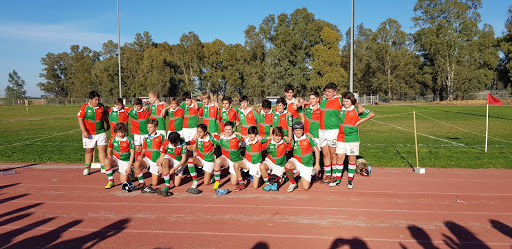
[138, 139]
[253, 169]
[175, 163]
[231, 165]
[152, 166]
[273, 168]
[305, 172]
[123, 165]
[179, 132]
[188, 134]
[328, 137]
[350, 149]
[207, 166]
[93, 140]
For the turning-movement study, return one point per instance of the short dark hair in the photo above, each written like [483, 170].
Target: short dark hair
[174, 137]
[331, 86]
[315, 93]
[119, 101]
[281, 101]
[278, 131]
[252, 130]
[173, 99]
[153, 122]
[137, 101]
[227, 98]
[289, 87]
[203, 127]
[93, 94]
[229, 123]
[244, 98]
[121, 127]
[186, 95]
[266, 104]
[351, 96]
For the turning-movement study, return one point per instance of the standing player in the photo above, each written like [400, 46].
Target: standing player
[210, 114]
[351, 116]
[276, 158]
[230, 146]
[202, 143]
[265, 118]
[176, 116]
[303, 160]
[312, 117]
[121, 152]
[282, 118]
[155, 109]
[246, 115]
[252, 159]
[292, 103]
[190, 120]
[139, 117]
[27, 104]
[150, 157]
[118, 114]
[228, 113]
[92, 119]
[173, 156]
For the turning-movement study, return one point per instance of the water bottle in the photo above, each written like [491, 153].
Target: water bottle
[7, 172]
[369, 169]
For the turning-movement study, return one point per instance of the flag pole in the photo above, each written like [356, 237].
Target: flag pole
[486, 127]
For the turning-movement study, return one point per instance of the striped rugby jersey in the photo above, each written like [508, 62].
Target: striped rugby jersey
[121, 147]
[152, 145]
[93, 118]
[205, 147]
[253, 150]
[276, 151]
[329, 112]
[312, 121]
[176, 117]
[139, 121]
[230, 146]
[246, 119]
[303, 150]
[227, 115]
[265, 122]
[211, 117]
[191, 117]
[175, 153]
[118, 116]
[154, 113]
[282, 120]
[349, 133]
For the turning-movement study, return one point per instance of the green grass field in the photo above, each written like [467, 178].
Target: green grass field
[448, 136]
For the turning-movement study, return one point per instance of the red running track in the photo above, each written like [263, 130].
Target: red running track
[55, 206]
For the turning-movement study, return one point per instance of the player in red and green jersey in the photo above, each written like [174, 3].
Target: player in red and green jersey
[303, 159]
[230, 146]
[203, 143]
[351, 116]
[118, 114]
[176, 116]
[139, 117]
[121, 152]
[282, 118]
[173, 155]
[228, 113]
[265, 115]
[150, 157]
[246, 116]
[276, 157]
[312, 117]
[191, 117]
[93, 122]
[292, 103]
[210, 114]
[252, 158]
[155, 109]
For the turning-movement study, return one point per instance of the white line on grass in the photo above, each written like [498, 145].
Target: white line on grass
[261, 235]
[24, 142]
[265, 206]
[392, 115]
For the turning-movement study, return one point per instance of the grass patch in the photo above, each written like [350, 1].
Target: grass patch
[452, 136]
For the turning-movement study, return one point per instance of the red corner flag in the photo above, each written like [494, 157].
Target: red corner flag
[491, 100]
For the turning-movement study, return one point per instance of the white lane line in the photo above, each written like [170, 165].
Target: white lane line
[24, 142]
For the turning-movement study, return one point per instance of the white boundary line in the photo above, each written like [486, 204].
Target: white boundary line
[268, 207]
[247, 235]
[24, 142]
[392, 115]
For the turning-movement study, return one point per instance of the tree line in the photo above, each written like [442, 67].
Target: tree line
[448, 56]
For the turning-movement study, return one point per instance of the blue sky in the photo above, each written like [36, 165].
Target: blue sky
[30, 29]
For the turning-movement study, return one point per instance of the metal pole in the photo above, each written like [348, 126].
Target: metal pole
[416, 140]
[352, 50]
[486, 127]
[119, 50]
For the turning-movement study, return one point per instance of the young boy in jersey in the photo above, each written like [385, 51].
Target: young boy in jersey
[210, 114]
[173, 156]
[252, 159]
[230, 146]
[312, 117]
[246, 115]
[93, 122]
[191, 117]
[276, 157]
[228, 113]
[351, 116]
[292, 103]
[282, 118]
[155, 109]
[118, 114]
[149, 158]
[139, 117]
[265, 118]
[176, 115]
[303, 159]
[120, 152]
[202, 143]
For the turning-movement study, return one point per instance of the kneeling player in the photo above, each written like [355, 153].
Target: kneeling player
[302, 161]
[202, 143]
[120, 152]
[251, 161]
[173, 156]
[149, 157]
[276, 157]
[230, 146]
